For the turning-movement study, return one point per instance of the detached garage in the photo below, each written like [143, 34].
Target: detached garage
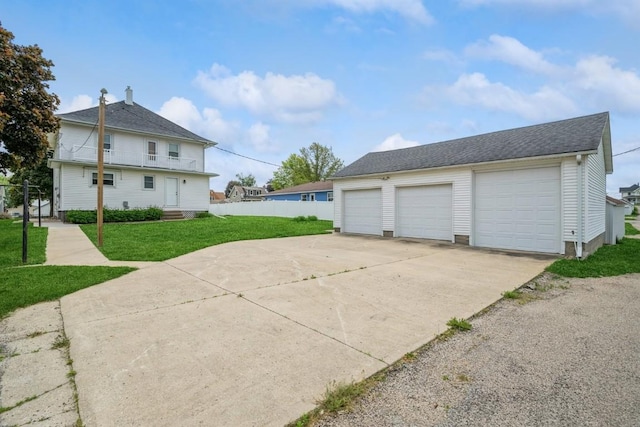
[539, 188]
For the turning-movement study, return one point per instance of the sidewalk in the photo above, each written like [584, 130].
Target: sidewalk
[68, 245]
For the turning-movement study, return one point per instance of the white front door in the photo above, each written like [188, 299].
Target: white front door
[171, 192]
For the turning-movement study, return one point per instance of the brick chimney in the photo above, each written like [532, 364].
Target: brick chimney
[129, 96]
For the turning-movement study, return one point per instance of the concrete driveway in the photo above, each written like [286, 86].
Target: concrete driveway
[252, 333]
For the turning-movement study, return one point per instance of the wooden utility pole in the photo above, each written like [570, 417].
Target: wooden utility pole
[100, 165]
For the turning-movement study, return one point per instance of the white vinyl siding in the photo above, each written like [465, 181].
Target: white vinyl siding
[596, 193]
[77, 194]
[363, 211]
[458, 178]
[518, 209]
[425, 212]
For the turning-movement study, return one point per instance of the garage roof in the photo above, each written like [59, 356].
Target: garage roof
[571, 136]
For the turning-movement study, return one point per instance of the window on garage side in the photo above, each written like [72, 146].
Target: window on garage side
[149, 182]
[107, 179]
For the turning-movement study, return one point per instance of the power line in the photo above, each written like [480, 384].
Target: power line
[246, 157]
[215, 146]
[628, 151]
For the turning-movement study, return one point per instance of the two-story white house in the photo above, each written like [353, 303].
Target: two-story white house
[148, 161]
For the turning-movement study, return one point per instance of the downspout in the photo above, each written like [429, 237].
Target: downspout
[580, 207]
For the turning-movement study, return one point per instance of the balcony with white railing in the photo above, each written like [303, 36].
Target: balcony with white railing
[127, 158]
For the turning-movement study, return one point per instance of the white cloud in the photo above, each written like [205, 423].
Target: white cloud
[611, 87]
[82, 102]
[259, 138]
[511, 51]
[476, 90]
[209, 123]
[593, 83]
[394, 142]
[292, 99]
[412, 10]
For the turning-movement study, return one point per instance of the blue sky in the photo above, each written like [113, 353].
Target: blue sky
[264, 78]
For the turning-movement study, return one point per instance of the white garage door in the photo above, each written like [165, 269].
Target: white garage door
[518, 209]
[363, 212]
[425, 212]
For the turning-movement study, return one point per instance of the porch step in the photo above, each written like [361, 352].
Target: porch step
[170, 215]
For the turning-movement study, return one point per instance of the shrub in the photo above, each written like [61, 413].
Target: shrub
[312, 218]
[299, 219]
[203, 215]
[115, 215]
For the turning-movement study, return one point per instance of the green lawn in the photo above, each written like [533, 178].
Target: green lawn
[158, 241]
[11, 243]
[630, 230]
[609, 260]
[24, 286]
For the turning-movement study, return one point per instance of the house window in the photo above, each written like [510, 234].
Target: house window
[107, 179]
[174, 150]
[330, 196]
[149, 182]
[304, 197]
[108, 141]
[152, 150]
[312, 197]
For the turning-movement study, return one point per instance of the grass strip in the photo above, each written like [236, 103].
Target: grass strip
[11, 243]
[609, 260]
[159, 241]
[21, 287]
[630, 230]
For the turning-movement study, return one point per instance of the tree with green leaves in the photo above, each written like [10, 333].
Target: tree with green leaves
[315, 163]
[246, 181]
[40, 178]
[26, 107]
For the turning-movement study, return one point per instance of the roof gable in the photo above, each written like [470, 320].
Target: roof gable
[133, 117]
[578, 135]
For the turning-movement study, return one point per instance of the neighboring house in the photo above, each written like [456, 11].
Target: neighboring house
[539, 188]
[631, 194]
[148, 161]
[216, 197]
[321, 191]
[240, 193]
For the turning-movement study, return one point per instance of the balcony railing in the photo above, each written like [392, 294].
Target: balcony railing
[119, 157]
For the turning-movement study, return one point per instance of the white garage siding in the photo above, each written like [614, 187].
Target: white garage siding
[425, 212]
[363, 211]
[518, 209]
[596, 191]
[569, 171]
[458, 178]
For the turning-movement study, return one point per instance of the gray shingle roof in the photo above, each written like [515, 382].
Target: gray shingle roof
[120, 115]
[309, 186]
[634, 187]
[576, 135]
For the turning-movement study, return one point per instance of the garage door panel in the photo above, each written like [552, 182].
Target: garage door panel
[425, 212]
[518, 209]
[363, 211]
